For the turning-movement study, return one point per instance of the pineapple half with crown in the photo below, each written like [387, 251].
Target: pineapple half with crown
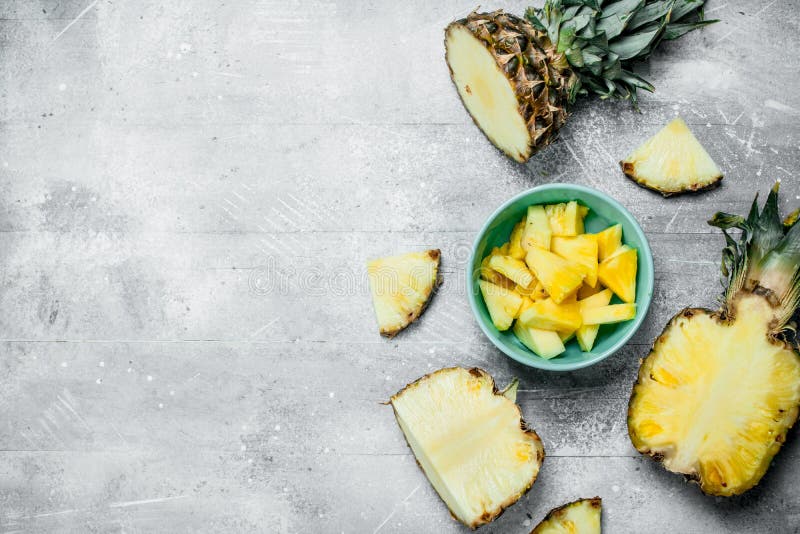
[672, 161]
[719, 390]
[579, 517]
[470, 440]
[401, 288]
[517, 77]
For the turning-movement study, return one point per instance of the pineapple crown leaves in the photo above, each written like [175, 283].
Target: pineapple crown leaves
[601, 42]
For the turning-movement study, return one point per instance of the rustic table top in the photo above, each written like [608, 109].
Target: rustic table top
[189, 192]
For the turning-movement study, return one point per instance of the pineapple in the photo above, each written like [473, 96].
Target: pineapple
[513, 269]
[581, 250]
[518, 77]
[401, 288]
[608, 241]
[502, 303]
[470, 440]
[537, 229]
[613, 313]
[515, 249]
[565, 219]
[557, 275]
[671, 162]
[719, 390]
[547, 315]
[545, 343]
[579, 517]
[587, 333]
[618, 273]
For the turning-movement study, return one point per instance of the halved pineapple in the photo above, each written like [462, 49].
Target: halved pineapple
[470, 440]
[557, 275]
[566, 219]
[587, 333]
[513, 269]
[401, 288]
[545, 343]
[618, 273]
[608, 241]
[579, 517]
[613, 313]
[581, 250]
[537, 232]
[503, 304]
[547, 315]
[672, 161]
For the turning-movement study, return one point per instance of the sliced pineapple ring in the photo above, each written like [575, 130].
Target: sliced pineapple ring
[470, 441]
[401, 288]
[579, 517]
[672, 161]
[618, 273]
[503, 304]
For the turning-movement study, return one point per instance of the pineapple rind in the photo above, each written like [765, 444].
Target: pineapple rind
[579, 517]
[470, 441]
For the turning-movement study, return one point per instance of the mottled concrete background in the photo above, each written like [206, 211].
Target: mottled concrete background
[189, 190]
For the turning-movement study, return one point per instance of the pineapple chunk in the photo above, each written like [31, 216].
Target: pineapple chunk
[515, 249]
[608, 241]
[618, 273]
[565, 218]
[587, 291]
[672, 161]
[581, 250]
[547, 315]
[579, 517]
[502, 303]
[587, 333]
[537, 231]
[613, 313]
[513, 269]
[401, 288]
[566, 335]
[557, 275]
[526, 303]
[489, 274]
[544, 343]
[470, 441]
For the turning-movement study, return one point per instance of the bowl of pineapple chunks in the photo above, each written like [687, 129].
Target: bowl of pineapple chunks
[560, 277]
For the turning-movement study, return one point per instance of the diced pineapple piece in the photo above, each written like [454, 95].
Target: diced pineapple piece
[513, 269]
[489, 274]
[608, 241]
[526, 303]
[548, 315]
[618, 273]
[539, 292]
[581, 250]
[557, 275]
[515, 249]
[587, 291]
[537, 229]
[502, 303]
[566, 335]
[544, 343]
[587, 334]
[613, 313]
[565, 218]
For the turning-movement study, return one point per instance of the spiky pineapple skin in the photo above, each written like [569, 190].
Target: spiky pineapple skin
[539, 76]
[722, 317]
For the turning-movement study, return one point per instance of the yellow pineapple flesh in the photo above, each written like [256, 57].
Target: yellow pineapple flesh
[503, 304]
[587, 333]
[613, 313]
[557, 275]
[581, 250]
[566, 219]
[537, 232]
[608, 241]
[513, 269]
[579, 517]
[548, 315]
[618, 273]
[545, 343]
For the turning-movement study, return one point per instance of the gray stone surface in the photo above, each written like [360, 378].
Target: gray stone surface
[189, 191]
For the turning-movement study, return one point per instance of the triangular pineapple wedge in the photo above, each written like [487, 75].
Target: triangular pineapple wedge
[547, 315]
[401, 288]
[545, 343]
[503, 304]
[566, 219]
[672, 161]
[581, 250]
[470, 440]
[557, 275]
[618, 273]
[587, 333]
[514, 270]
[608, 241]
[579, 517]
[537, 232]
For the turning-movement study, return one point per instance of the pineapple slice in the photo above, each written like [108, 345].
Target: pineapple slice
[470, 441]
[547, 315]
[537, 231]
[581, 250]
[618, 273]
[579, 517]
[515, 249]
[544, 343]
[587, 291]
[557, 275]
[608, 241]
[566, 219]
[513, 269]
[527, 302]
[502, 303]
[613, 313]
[672, 161]
[587, 333]
[401, 288]
[490, 275]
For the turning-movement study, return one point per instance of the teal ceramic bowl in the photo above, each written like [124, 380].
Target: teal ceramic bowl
[604, 211]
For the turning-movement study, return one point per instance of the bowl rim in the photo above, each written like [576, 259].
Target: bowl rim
[645, 254]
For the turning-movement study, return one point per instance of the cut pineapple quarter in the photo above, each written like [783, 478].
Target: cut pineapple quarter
[618, 273]
[401, 288]
[559, 277]
[580, 517]
[503, 304]
[672, 161]
[470, 441]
